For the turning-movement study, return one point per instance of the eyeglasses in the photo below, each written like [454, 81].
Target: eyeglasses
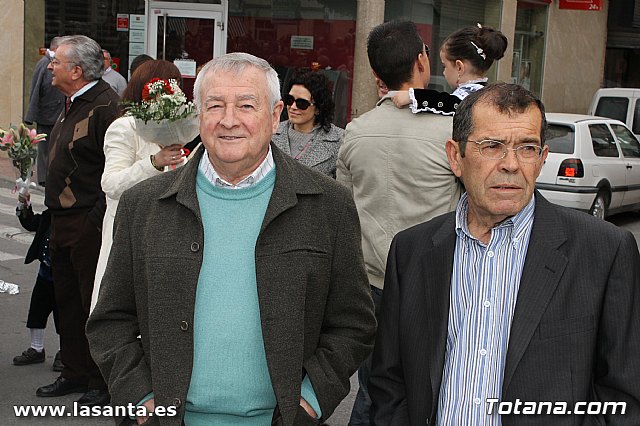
[496, 150]
[300, 103]
[426, 49]
[56, 62]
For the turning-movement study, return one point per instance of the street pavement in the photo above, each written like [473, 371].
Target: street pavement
[19, 383]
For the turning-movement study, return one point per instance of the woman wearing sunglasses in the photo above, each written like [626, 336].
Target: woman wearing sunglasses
[308, 135]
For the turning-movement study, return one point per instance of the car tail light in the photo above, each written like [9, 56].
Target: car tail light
[571, 167]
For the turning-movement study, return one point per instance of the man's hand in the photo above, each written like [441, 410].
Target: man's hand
[150, 405]
[310, 411]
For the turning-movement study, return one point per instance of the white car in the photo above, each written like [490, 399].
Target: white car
[593, 164]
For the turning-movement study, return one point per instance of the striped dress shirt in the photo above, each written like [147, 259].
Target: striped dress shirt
[258, 174]
[484, 290]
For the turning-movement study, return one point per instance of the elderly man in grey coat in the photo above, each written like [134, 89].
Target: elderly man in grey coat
[235, 292]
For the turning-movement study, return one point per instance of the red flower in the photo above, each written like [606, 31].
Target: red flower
[145, 93]
[167, 87]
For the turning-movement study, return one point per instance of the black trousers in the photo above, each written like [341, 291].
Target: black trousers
[75, 245]
[43, 302]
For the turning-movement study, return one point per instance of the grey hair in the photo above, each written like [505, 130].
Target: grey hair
[237, 62]
[85, 53]
[55, 42]
[506, 98]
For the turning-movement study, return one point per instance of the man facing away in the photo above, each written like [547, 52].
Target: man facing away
[77, 204]
[45, 105]
[241, 273]
[394, 162]
[510, 308]
[117, 82]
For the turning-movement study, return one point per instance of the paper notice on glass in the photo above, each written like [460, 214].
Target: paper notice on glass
[187, 67]
[136, 36]
[136, 49]
[302, 42]
[136, 22]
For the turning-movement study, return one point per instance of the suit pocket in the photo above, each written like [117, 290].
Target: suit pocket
[551, 329]
[304, 419]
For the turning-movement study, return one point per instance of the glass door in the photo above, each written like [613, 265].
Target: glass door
[186, 35]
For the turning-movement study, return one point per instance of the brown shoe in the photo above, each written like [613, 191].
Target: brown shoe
[57, 363]
[30, 356]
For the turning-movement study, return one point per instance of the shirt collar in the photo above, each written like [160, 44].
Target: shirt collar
[83, 89]
[256, 176]
[520, 222]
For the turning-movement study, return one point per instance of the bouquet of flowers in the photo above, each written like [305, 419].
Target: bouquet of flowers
[20, 143]
[164, 116]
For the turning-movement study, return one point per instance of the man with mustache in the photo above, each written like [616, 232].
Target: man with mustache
[508, 300]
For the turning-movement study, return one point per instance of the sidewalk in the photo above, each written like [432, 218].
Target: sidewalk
[9, 173]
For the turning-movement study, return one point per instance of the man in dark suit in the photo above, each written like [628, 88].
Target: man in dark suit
[510, 301]
[45, 105]
[241, 273]
[77, 204]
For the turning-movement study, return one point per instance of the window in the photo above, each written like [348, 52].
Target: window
[627, 141]
[613, 107]
[561, 139]
[636, 118]
[603, 142]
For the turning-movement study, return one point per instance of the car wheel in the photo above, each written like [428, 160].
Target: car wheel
[599, 207]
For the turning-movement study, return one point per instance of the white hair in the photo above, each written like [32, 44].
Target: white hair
[237, 62]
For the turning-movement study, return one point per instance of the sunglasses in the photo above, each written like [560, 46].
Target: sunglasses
[300, 103]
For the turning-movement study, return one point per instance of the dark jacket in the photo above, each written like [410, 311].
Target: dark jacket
[45, 101]
[41, 224]
[315, 304]
[575, 334]
[76, 157]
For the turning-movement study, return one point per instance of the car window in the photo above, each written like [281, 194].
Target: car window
[560, 139]
[613, 107]
[602, 140]
[628, 143]
[636, 119]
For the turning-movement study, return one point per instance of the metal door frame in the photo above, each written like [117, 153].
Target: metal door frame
[157, 9]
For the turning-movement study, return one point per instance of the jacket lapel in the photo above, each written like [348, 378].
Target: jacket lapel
[320, 150]
[542, 271]
[184, 186]
[289, 182]
[439, 264]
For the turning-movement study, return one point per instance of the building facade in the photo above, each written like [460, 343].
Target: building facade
[555, 50]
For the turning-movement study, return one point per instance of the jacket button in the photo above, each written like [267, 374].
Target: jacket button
[176, 402]
[184, 326]
[195, 247]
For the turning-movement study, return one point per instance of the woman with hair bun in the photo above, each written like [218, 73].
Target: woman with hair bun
[308, 135]
[466, 56]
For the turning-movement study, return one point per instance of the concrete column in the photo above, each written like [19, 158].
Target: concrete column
[364, 95]
[508, 28]
[11, 67]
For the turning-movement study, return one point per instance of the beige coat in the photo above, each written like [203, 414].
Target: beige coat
[127, 162]
[395, 165]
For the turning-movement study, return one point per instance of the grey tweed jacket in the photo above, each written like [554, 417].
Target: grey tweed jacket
[322, 153]
[315, 307]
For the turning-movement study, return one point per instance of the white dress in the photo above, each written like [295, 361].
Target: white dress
[127, 162]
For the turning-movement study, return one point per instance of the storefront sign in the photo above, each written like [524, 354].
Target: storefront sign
[302, 42]
[581, 4]
[122, 22]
